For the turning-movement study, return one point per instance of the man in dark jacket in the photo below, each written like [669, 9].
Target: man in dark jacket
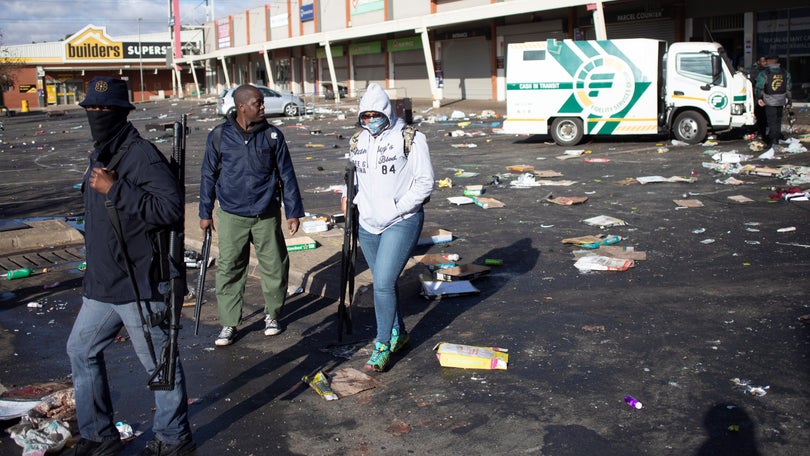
[773, 93]
[147, 197]
[759, 111]
[248, 169]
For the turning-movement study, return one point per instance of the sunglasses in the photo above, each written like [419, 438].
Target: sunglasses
[370, 115]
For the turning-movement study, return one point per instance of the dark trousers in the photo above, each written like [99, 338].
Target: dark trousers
[762, 122]
[774, 116]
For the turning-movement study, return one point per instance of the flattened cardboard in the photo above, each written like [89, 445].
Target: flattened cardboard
[487, 203]
[471, 357]
[567, 200]
[473, 190]
[430, 237]
[602, 263]
[547, 173]
[604, 220]
[688, 203]
[432, 259]
[520, 168]
[300, 243]
[740, 198]
[461, 272]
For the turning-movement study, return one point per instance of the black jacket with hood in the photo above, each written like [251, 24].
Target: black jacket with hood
[148, 197]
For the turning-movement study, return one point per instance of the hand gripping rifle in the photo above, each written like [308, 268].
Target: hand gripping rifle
[163, 377]
[206, 252]
[348, 255]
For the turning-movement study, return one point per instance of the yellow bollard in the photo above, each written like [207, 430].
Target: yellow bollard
[24, 107]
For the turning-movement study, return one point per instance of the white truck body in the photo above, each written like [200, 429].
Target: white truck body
[623, 87]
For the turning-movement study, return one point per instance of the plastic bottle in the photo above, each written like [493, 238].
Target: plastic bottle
[633, 402]
[19, 273]
[493, 262]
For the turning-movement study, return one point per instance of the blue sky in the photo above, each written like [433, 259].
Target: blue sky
[24, 22]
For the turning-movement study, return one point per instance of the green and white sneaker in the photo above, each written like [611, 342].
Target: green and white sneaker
[399, 339]
[379, 358]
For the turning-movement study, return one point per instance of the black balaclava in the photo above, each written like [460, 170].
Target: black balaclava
[104, 125]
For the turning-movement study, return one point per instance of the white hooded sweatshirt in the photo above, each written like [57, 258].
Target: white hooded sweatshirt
[390, 187]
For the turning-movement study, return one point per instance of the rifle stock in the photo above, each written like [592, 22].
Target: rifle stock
[163, 377]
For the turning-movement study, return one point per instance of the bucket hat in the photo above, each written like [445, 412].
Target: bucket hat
[107, 92]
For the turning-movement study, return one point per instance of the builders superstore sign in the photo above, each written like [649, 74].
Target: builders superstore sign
[93, 44]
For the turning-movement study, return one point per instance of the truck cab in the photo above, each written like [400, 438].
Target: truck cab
[703, 91]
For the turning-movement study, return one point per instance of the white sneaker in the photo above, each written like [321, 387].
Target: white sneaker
[226, 336]
[271, 326]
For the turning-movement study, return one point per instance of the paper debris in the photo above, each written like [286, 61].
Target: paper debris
[547, 173]
[688, 203]
[740, 198]
[487, 203]
[437, 289]
[520, 168]
[602, 263]
[567, 200]
[349, 381]
[459, 200]
[656, 179]
[604, 221]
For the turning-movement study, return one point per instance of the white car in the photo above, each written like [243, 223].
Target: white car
[274, 102]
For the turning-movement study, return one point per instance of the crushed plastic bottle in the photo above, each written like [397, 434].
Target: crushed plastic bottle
[633, 402]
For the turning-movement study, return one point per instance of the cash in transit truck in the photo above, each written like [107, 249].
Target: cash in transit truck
[624, 87]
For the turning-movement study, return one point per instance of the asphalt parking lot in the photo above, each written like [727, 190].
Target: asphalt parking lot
[718, 297]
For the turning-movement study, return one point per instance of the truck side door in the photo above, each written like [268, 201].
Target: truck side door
[697, 79]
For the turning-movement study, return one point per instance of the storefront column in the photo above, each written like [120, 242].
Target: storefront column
[331, 64]
[431, 72]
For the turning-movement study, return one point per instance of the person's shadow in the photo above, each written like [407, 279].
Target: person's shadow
[730, 432]
[519, 258]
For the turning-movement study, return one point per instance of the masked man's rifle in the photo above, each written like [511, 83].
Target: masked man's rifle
[206, 252]
[348, 256]
[163, 378]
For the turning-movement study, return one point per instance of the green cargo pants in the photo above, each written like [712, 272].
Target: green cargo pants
[235, 236]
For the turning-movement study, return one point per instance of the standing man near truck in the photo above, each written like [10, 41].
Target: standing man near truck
[773, 93]
[759, 111]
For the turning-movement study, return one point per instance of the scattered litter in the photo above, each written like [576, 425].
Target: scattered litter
[597, 160]
[464, 146]
[398, 428]
[438, 289]
[320, 383]
[740, 198]
[786, 229]
[487, 203]
[459, 200]
[768, 155]
[124, 430]
[604, 221]
[567, 200]
[603, 263]
[579, 240]
[676, 142]
[547, 173]
[471, 357]
[708, 241]
[699, 230]
[793, 146]
[314, 226]
[473, 190]
[465, 174]
[446, 183]
[430, 237]
[656, 179]
[520, 168]
[493, 262]
[688, 203]
[746, 386]
[633, 402]
[593, 328]
[349, 381]
[37, 437]
[626, 253]
[296, 244]
[730, 157]
[461, 272]
[434, 259]
[525, 180]
[607, 240]
[731, 181]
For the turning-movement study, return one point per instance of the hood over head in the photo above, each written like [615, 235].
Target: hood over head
[375, 99]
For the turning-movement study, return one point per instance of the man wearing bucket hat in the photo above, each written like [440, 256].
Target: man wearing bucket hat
[132, 175]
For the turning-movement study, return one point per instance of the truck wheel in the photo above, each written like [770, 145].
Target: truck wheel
[690, 127]
[566, 132]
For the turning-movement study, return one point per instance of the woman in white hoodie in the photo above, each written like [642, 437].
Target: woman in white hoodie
[392, 184]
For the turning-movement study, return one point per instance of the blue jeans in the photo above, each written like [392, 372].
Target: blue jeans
[94, 330]
[386, 254]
